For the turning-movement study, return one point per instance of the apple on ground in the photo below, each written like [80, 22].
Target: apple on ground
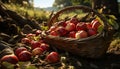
[44, 46]
[37, 51]
[9, 58]
[30, 36]
[35, 44]
[19, 50]
[24, 56]
[81, 34]
[38, 32]
[53, 57]
[25, 40]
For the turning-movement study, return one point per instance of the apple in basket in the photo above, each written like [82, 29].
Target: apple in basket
[70, 27]
[81, 34]
[92, 32]
[95, 24]
[72, 34]
[74, 20]
[9, 58]
[61, 31]
[81, 26]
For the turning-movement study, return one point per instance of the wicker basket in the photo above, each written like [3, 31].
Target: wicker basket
[90, 47]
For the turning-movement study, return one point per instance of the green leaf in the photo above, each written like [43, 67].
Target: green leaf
[31, 67]
[112, 17]
[98, 18]
[113, 23]
[100, 28]
[8, 65]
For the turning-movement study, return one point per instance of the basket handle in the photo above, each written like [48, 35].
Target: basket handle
[85, 8]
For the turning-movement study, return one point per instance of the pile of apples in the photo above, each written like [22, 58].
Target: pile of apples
[73, 28]
[34, 46]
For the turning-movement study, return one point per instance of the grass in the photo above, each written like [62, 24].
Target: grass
[30, 13]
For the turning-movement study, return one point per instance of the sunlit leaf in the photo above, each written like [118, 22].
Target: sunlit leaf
[112, 17]
[8, 65]
[100, 28]
[31, 67]
[113, 23]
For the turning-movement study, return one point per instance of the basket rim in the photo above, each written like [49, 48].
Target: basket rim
[102, 33]
[82, 7]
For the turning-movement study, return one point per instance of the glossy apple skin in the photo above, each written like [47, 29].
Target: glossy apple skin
[30, 36]
[52, 28]
[54, 33]
[81, 34]
[74, 20]
[61, 31]
[19, 50]
[72, 34]
[91, 32]
[81, 26]
[25, 40]
[44, 46]
[70, 27]
[37, 51]
[95, 24]
[9, 58]
[38, 32]
[88, 26]
[62, 23]
[25, 56]
[35, 44]
[53, 57]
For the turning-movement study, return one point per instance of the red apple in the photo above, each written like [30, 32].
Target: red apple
[81, 26]
[54, 33]
[81, 34]
[88, 26]
[62, 23]
[35, 44]
[9, 58]
[24, 56]
[91, 32]
[44, 46]
[61, 31]
[52, 28]
[26, 40]
[72, 34]
[37, 51]
[95, 24]
[38, 32]
[30, 36]
[53, 57]
[70, 27]
[74, 20]
[19, 50]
